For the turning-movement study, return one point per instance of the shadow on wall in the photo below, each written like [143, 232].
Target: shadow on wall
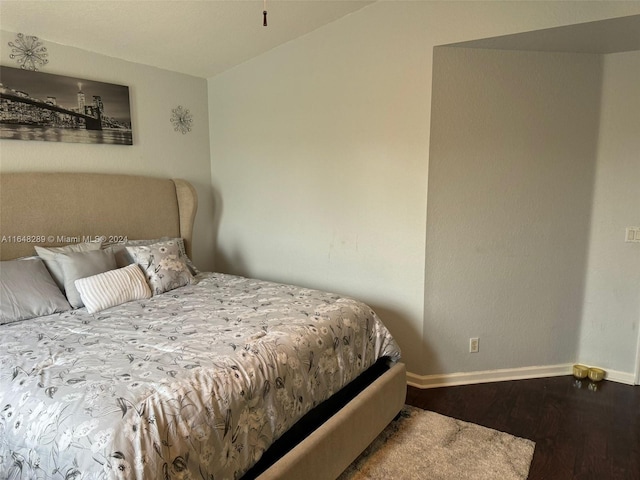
[204, 227]
[232, 264]
[416, 353]
[224, 262]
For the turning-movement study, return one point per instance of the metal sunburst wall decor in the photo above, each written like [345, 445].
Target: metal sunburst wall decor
[29, 52]
[181, 119]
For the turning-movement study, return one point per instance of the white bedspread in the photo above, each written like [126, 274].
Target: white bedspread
[193, 384]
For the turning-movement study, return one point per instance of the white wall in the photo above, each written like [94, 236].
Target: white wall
[157, 150]
[611, 318]
[511, 171]
[320, 152]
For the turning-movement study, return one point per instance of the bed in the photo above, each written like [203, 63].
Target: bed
[212, 377]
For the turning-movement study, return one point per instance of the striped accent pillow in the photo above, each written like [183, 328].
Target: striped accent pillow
[113, 288]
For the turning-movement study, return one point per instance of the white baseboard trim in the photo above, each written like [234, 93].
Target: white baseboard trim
[487, 376]
[620, 377]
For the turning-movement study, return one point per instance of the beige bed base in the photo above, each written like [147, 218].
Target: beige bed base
[62, 208]
[331, 448]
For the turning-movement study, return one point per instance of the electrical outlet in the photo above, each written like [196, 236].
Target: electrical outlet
[632, 234]
[474, 345]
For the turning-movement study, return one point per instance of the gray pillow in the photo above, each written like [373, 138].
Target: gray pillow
[163, 264]
[27, 291]
[78, 265]
[48, 255]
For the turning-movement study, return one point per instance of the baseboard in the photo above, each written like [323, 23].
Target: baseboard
[486, 376]
[620, 377]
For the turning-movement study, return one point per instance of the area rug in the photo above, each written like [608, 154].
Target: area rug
[425, 445]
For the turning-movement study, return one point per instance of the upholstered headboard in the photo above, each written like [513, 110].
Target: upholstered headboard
[61, 208]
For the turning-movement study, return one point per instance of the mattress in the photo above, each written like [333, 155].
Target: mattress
[194, 383]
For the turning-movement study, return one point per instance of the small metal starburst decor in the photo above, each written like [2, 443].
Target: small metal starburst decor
[29, 52]
[181, 119]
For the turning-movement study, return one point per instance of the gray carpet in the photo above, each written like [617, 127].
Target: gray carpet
[426, 445]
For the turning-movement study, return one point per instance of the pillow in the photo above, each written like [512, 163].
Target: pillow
[77, 265]
[163, 264]
[123, 258]
[48, 255]
[27, 291]
[112, 288]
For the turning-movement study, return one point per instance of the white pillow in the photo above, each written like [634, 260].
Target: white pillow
[112, 288]
[48, 254]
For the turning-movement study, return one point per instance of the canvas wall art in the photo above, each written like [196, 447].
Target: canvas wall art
[57, 108]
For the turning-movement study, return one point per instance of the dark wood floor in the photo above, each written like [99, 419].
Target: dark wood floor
[579, 433]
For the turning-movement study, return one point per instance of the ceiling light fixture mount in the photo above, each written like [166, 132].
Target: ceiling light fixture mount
[264, 13]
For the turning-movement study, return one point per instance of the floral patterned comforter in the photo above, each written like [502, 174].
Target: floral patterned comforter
[194, 384]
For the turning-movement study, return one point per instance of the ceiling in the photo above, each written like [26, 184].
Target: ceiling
[200, 38]
[206, 37]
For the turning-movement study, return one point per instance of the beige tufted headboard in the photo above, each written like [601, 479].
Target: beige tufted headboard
[61, 208]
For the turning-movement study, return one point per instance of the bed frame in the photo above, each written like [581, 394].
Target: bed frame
[60, 208]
